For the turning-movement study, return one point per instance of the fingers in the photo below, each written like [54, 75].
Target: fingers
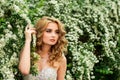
[26, 28]
[30, 30]
[29, 27]
[33, 32]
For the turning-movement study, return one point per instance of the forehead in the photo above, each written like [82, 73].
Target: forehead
[52, 25]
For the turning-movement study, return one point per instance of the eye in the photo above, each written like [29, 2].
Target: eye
[48, 30]
[57, 31]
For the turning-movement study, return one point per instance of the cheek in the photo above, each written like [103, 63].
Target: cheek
[57, 37]
[45, 37]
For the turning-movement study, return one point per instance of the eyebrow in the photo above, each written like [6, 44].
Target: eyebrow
[51, 29]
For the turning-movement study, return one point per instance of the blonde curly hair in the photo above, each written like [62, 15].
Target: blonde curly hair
[60, 47]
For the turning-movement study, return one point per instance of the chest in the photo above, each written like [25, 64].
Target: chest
[43, 63]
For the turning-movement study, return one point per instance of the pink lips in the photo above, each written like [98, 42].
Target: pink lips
[52, 40]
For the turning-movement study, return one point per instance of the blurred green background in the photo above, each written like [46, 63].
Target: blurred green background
[93, 32]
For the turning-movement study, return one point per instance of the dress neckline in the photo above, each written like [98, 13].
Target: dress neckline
[46, 68]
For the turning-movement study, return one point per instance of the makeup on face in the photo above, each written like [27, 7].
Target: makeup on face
[51, 34]
[50, 31]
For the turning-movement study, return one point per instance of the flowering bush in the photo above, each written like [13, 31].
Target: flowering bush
[93, 32]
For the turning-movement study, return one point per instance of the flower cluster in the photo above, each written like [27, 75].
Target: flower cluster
[93, 32]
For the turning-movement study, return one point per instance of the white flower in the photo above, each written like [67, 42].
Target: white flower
[23, 16]
[1, 12]
[92, 77]
[28, 20]
[53, 2]
[14, 36]
[9, 26]
[17, 9]
[2, 42]
[8, 35]
[68, 77]
[2, 1]
[6, 30]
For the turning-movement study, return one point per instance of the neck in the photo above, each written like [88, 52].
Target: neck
[45, 49]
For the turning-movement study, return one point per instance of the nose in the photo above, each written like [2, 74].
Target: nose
[53, 34]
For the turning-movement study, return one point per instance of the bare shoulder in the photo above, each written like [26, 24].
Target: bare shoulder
[62, 68]
[63, 59]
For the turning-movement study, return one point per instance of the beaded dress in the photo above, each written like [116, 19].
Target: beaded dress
[45, 74]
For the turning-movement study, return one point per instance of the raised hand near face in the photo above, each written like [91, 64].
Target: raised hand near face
[29, 31]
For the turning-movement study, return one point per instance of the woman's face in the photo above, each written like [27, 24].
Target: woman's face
[51, 34]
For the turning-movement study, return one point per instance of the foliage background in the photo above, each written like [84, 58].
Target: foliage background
[93, 32]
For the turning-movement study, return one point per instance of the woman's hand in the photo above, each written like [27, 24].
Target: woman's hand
[28, 32]
[24, 63]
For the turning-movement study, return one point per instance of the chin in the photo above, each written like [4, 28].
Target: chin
[52, 44]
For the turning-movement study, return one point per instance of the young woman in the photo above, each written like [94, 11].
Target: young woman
[50, 45]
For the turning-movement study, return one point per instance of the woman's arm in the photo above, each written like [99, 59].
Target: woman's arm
[62, 69]
[24, 63]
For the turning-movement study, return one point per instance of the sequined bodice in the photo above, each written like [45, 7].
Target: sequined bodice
[44, 74]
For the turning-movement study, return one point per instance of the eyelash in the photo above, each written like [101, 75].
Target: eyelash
[51, 31]
[48, 30]
[57, 32]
